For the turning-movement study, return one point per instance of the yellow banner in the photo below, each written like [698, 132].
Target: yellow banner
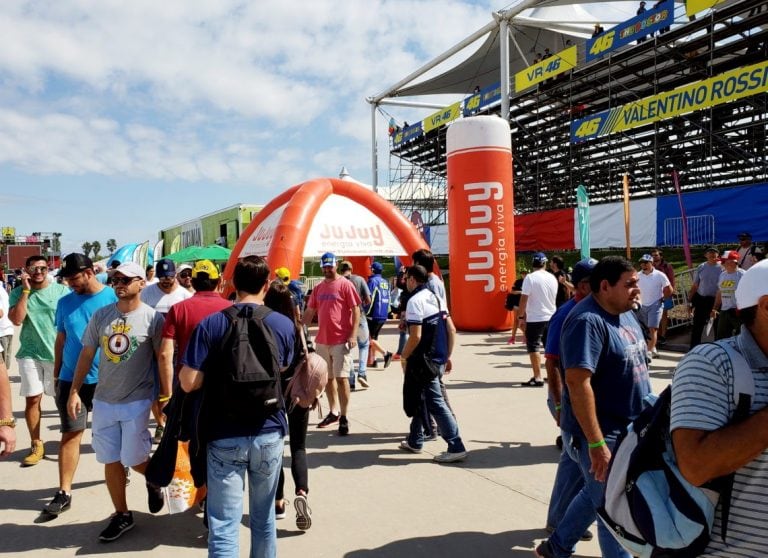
[692, 7]
[442, 117]
[556, 64]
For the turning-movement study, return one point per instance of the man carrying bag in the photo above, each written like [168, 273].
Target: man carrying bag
[424, 358]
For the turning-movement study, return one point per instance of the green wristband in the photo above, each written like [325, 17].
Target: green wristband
[558, 407]
[594, 445]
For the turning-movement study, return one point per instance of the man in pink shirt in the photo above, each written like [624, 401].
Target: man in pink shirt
[337, 306]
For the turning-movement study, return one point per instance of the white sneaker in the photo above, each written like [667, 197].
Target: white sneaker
[655, 353]
[448, 457]
[405, 446]
[649, 355]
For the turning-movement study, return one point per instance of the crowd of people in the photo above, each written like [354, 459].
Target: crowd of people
[128, 348]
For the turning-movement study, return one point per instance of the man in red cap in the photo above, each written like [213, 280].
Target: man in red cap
[729, 322]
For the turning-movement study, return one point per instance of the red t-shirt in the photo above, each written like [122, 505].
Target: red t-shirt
[183, 316]
[334, 302]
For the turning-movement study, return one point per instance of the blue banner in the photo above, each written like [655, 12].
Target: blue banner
[631, 30]
[480, 100]
[407, 134]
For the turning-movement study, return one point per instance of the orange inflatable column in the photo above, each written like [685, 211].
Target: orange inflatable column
[361, 265]
[481, 232]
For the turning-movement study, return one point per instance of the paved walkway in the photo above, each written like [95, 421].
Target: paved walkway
[369, 499]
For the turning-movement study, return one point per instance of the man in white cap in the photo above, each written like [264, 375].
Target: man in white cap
[129, 334]
[707, 444]
[184, 277]
[654, 288]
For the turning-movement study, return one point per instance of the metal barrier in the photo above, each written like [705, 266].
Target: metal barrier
[679, 315]
[701, 230]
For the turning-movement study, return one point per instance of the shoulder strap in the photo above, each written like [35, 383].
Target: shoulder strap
[743, 391]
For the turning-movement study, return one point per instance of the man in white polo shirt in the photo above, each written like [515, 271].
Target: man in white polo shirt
[654, 288]
[537, 304]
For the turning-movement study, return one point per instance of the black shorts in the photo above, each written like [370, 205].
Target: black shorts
[68, 424]
[374, 327]
[535, 335]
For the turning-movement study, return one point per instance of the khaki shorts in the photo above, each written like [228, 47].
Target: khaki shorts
[36, 377]
[338, 358]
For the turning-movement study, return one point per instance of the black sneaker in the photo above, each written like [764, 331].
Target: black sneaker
[155, 498]
[343, 426]
[374, 364]
[60, 503]
[119, 523]
[387, 359]
[328, 420]
[544, 550]
[363, 381]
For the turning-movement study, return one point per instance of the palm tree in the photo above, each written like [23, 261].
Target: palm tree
[111, 246]
[96, 248]
[87, 247]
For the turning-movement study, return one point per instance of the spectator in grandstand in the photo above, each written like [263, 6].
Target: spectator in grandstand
[745, 250]
[598, 30]
[641, 11]
[655, 6]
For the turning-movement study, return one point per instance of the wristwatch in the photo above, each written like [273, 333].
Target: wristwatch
[8, 422]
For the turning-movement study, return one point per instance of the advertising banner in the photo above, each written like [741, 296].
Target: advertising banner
[631, 30]
[549, 67]
[729, 86]
[407, 134]
[442, 117]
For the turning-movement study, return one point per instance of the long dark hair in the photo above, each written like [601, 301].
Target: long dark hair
[279, 299]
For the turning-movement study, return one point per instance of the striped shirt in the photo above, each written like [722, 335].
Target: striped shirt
[702, 399]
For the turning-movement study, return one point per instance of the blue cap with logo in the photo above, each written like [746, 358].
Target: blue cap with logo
[582, 270]
[376, 267]
[539, 258]
[328, 260]
[165, 268]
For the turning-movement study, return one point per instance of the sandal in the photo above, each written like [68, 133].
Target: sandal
[533, 382]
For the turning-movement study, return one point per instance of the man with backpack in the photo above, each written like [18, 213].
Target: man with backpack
[708, 444]
[377, 312]
[236, 356]
[603, 353]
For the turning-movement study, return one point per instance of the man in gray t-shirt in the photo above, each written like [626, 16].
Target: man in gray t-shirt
[701, 297]
[129, 334]
[363, 336]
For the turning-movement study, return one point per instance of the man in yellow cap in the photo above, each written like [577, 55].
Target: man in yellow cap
[185, 315]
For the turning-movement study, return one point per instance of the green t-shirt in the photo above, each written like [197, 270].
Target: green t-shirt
[38, 330]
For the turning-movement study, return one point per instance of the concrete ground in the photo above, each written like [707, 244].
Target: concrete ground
[369, 499]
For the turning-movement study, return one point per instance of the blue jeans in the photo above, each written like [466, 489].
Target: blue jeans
[449, 429]
[228, 460]
[363, 344]
[568, 483]
[582, 510]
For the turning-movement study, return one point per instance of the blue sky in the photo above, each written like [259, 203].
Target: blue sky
[118, 119]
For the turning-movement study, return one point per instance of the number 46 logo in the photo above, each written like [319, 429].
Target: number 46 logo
[602, 43]
[588, 128]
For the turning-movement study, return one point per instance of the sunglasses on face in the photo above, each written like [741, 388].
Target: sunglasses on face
[37, 269]
[185, 274]
[123, 280]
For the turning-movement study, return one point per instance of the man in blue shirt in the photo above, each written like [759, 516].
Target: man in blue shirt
[603, 353]
[234, 448]
[431, 337]
[72, 315]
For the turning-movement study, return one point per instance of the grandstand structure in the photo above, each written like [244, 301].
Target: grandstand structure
[714, 147]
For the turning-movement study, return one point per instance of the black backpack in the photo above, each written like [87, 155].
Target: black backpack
[242, 378]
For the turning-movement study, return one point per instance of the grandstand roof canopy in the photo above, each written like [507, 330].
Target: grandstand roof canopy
[534, 25]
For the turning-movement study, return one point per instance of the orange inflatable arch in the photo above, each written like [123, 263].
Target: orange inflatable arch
[302, 203]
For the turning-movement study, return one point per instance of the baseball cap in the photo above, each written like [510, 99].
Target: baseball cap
[582, 270]
[712, 249]
[183, 267]
[131, 269]
[646, 258]
[73, 264]
[207, 267]
[376, 267]
[283, 274]
[328, 260]
[745, 235]
[165, 268]
[752, 286]
[539, 258]
[731, 255]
